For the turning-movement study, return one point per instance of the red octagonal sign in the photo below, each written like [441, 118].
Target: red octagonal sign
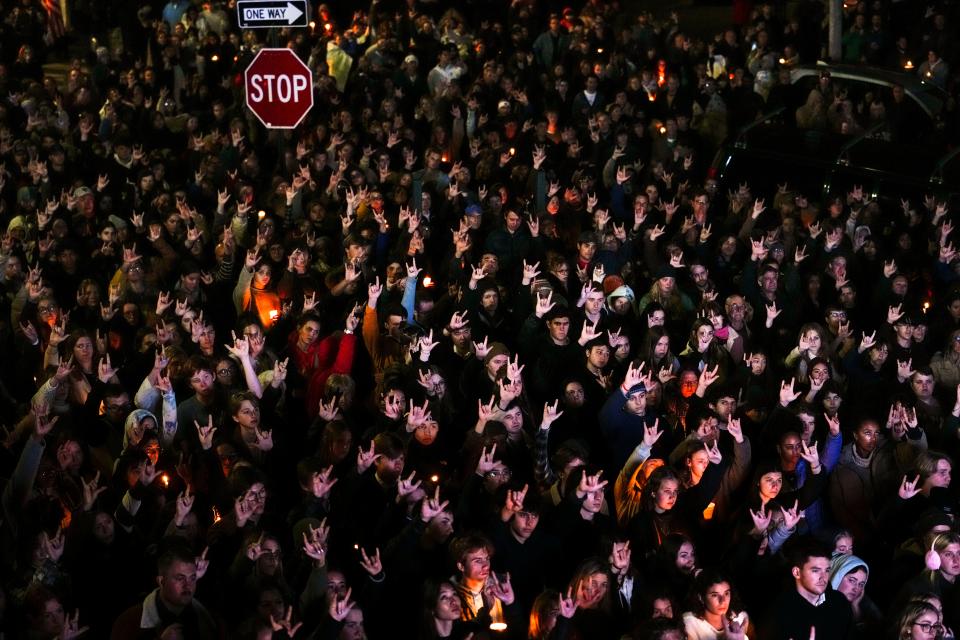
[279, 88]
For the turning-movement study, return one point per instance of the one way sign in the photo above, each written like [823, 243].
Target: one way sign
[259, 14]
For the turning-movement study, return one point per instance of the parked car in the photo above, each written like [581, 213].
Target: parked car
[890, 159]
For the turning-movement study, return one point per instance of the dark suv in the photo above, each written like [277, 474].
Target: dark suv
[773, 150]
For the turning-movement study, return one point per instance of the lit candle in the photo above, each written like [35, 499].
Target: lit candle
[165, 479]
[427, 282]
[908, 65]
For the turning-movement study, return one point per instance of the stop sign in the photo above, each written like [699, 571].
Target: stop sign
[279, 88]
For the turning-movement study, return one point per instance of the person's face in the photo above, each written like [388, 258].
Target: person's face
[725, 407]
[770, 485]
[717, 599]
[593, 502]
[559, 328]
[573, 394]
[598, 356]
[621, 306]
[769, 281]
[853, 584]
[832, 402]
[899, 286]
[705, 333]
[256, 498]
[202, 382]
[426, 433]
[813, 338]
[814, 576]
[637, 403]
[393, 324]
[490, 300]
[269, 562]
[809, 423]
[866, 437]
[699, 275]
[48, 311]
[662, 608]
[103, 528]
[594, 302]
[941, 477]
[178, 583]
[336, 584]
[70, 456]
[512, 221]
[698, 463]
[52, 619]
[667, 284]
[586, 250]
[461, 338]
[789, 449]
[490, 264]
[83, 349]
[309, 333]
[950, 561]
[592, 589]
[878, 355]
[666, 494]
[904, 332]
[513, 420]
[356, 252]
[248, 415]
[661, 348]
[688, 383]
[922, 385]
[270, 605]
[389, 469]
[686, 558]
[523, 525]
[496, 363]
[927, 620]
[448, 604]
[657, 319]
[476, 565]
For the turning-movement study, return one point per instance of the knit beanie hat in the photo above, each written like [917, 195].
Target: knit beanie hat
[840, 566]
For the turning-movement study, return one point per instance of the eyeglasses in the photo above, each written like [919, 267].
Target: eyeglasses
[927, 627]
[838, 314]
[47, 308]
[257, 495]
[226, 371]
[499, 473]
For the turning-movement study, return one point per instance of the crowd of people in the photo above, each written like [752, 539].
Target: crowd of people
[480, 350]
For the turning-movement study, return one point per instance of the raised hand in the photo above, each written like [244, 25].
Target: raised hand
[620, 557]
[713, 453]
[91, 492]
[486, 462]
[550, 414]
[205, 433]
[407, 487]
[792, 516]
[761, 519]
[432, 507]
[184, 505]
[321, 482]
[371, 564]
[810, 454]
[286, 624]
[652, 433]
[340, 607]
[366, 458]
[787, 393]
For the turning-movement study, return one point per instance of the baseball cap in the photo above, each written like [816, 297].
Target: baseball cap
[474, 210]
